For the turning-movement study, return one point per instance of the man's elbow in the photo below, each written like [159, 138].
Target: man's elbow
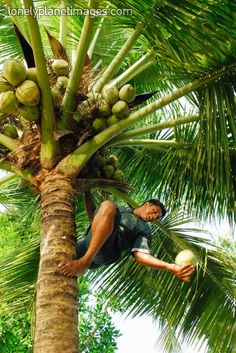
[140, 257]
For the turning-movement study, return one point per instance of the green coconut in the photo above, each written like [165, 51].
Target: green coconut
[97, 172]
[99, 124]
[127, 93]
[56, 96]
[118, 175]
[100, 161]
[77, 116]
[185, 257]
[84, 107]
[114, 161]
[14, 71]
[8, 102]
[10, 131]
[24, 122]
[104, 108]
[32, 74]
[28, 93]
[62, 82]
[112, 120]
[108, 170]
[94, 98]
[2, 116]
[4, 85]
[30, 113]
[120, 109]
[110, 94]
[60, 67]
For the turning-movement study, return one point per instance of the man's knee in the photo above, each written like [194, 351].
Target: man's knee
[107, 208]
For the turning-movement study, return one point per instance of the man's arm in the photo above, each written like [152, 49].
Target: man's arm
[89, 204]
[182, 272]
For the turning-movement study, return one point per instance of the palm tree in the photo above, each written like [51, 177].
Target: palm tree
[167, 52]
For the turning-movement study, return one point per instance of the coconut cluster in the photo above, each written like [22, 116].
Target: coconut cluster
[19, 94]
[113, 106]
[107, 167]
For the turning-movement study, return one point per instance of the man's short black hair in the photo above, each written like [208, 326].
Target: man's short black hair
[157, 202]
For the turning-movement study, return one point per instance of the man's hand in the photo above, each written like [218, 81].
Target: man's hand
[183, 272]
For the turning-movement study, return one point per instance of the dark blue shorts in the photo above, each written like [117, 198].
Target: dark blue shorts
[109, 252]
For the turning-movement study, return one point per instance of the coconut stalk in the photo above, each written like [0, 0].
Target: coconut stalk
[155, 127]
[48, 144]
[139, 66]
[8, 167]
[8, 142]
[149, 143]
[69, 101]
[114, 65]
[63, 26]
[6, 179]
[74, 163]
[95, 38]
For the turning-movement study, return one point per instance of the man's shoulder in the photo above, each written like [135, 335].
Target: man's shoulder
[131, 220]
[124, 209]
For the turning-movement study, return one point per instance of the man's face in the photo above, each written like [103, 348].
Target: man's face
[149, 212]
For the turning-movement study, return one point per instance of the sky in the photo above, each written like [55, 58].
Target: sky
[139, 335]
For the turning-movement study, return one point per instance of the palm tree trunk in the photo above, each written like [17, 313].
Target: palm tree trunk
[56, 302]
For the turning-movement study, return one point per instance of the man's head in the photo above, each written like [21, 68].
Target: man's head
[150, 210]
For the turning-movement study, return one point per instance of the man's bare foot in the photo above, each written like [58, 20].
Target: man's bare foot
[73, 268]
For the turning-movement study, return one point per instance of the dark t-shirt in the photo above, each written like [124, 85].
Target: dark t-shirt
[134, 233]
[130, 234]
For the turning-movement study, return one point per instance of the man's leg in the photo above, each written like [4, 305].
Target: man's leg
[102, 227]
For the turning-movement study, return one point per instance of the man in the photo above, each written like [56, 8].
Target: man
[115, 229]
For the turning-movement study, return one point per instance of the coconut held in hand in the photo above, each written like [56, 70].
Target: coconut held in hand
[185, 257]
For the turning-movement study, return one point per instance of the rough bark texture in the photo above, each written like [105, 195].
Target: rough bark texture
[56, 303]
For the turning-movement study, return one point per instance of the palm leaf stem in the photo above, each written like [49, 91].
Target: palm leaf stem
[149, 143]
[25, 174]
[95, 38]
[16, 20]
[63, 26]
[121, 195]
[48, 145]
[69, 101]
[74, 162]
[139, 66]
[114, 65]
[8, 142]
[155, 127]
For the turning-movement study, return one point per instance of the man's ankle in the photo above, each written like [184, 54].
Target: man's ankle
[87, 259]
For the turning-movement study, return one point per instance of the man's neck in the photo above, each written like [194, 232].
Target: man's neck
[137, 212]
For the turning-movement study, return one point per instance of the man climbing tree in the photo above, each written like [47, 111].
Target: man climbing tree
[115, 229]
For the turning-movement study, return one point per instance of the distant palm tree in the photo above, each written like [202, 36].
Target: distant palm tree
[185, 149]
